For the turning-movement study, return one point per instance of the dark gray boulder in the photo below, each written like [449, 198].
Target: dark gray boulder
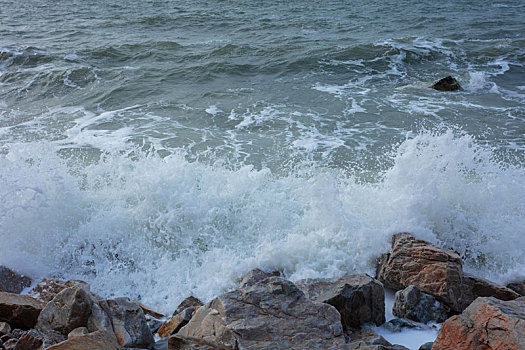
[417, 306]
[446, 84]
[12, 282]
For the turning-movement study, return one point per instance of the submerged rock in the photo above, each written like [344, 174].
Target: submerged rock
[447, 84]
[414, 305]
[270, 314]
[367, 339]
[12, 282]
[488, 323]
[433, 270]
[20, 311]
[398, 324]
[358, 298]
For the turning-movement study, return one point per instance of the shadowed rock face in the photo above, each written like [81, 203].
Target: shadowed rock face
[12, 282]
[416, 306]
[488, 323]
[100, 340]
[433, 270]
[447, 84]
[518, 287]
[20, 311]
[358, 298]
[267, 315]
[475, 287]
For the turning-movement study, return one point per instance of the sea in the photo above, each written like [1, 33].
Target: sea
[162, 148]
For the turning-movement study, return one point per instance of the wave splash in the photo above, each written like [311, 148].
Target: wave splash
[133, 223]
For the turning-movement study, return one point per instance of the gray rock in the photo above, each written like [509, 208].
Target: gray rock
[4, 328]
[397, 324]
[254, 276]
[12, 282]
[100, 340]
[433, 270]
[77, 332]
[68, 310]
[447, 84]
[20, 311]
[180, 343]
[518, 287]
[427, 346]
[186, 303]
[475, 287]
[358, 298]
[129, 323]
[414, 305]
[98, 320]
[270, 314]
[367, 339]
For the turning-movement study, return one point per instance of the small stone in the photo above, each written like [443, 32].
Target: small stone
[4, 328]
[77, 332]
[397, 324]
[414, 305]
[12, 282]
[447, 84]
[426, 346]
[20, 311]
[177, 322]
[186, 303]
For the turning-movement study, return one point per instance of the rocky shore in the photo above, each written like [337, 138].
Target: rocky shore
[267, 311]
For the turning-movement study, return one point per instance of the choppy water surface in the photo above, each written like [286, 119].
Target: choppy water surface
[162, 148]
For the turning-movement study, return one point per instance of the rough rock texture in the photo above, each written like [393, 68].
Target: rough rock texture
[433, 270]
[186, 303]
[447, 84]
[20, 311]
[270, 314]
[177, 322]
[12, 282]
[129, 323]
[31, 340]
[254, 276]
[147, 310]
[10, 344]
[180, 343]
[367, 339]
[100, 340]
[488, 323]
[411, 303]
[78, 332]
[48, 288]
[4, 328]
[98, 320]
[518, 287]
[68, 310]
[475, 287]
[358, 298]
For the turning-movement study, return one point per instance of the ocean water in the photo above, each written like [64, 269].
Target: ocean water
[162, 148]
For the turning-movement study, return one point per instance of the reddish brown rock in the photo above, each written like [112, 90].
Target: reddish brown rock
[31, 340]
[12, 282]
[433, 270]
[475, 287]
[358, 298]
[487, 324]
[48, 288]
[100, 340]
[20, 311]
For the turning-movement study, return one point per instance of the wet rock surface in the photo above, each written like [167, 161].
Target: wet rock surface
[475, 287]
[446, 84]
[12, 282]
[414, 305]
[488, 323]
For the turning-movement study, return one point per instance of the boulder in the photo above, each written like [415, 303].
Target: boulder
[177, 322]
[270, 314]
[180, 343]
[367, 339]
[446, 84]
[358, 298]
[68, 310]
[433, 270]
[254, 276]
[20, 311]
[77, 332]
[475, 287]
[129, 323]
[411, 303]
[31, 340]
[48, 288]
[518, 287]
[488, 323]
[12, 282]
[100, 340]
[186, 303]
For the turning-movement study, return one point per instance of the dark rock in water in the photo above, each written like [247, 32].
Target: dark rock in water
[475, 287]
[256, 275]
[397, 324]
[270, 314]
[427, 346]
[12, 282]
[68, 310]
[358, 298]
[20, 311]
[447, 84]
[518, 287]
[433, 270]
[367, 339]
[488, 323]
[100, 340]
[186, 303]
[129, 323]
[414, 305]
